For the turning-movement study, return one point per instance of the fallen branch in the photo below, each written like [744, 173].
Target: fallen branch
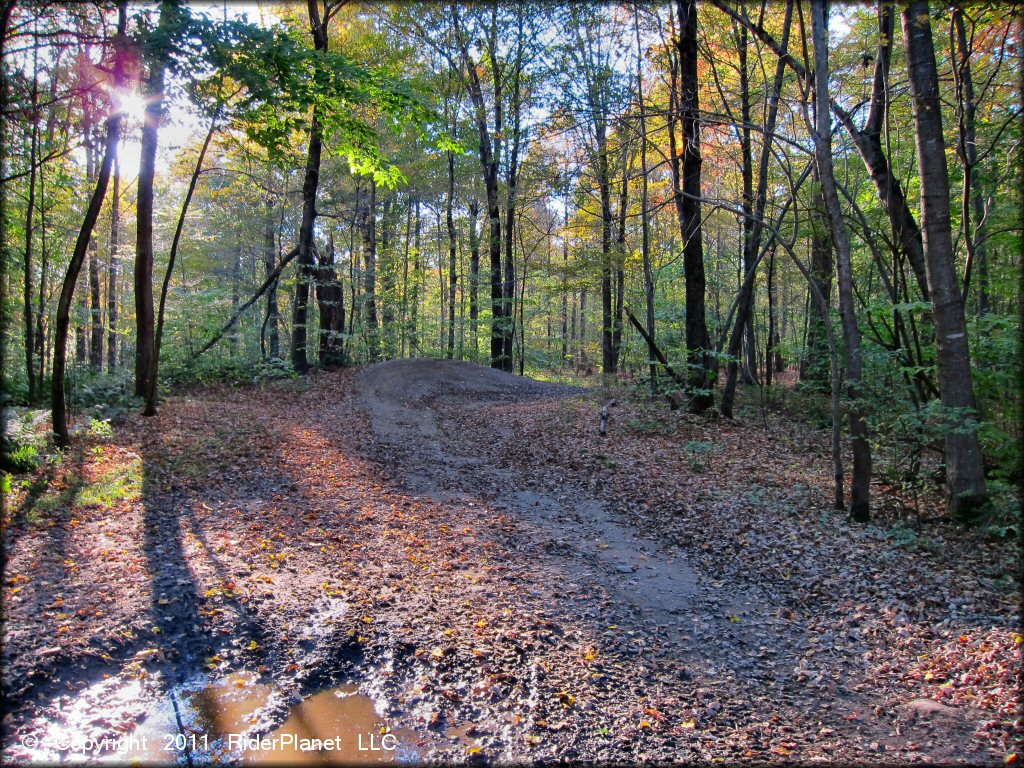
[654, 348]
[271, 279]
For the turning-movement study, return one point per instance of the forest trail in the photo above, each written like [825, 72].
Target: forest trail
[571, 533]
[495, 580]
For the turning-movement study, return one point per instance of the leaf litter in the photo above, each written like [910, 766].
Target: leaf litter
[471, 552]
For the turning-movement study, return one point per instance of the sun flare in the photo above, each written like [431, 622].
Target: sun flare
[131, 103]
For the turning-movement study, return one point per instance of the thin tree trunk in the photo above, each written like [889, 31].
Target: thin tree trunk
[814, 365]
[972, 208]
[234, 338]
[750, 247]
[404, 320]
[151, 378]
[113, 268]
[452, 274]
[965, 475]
[489, 163]
[29, 234]
[59, 413]
[387, 278]
[474, 278]
[370, 274]
[753, 226]
[6, 7]
[273, 337]
[860, 490]
[414, 304]
[145, 329]
[645, 227]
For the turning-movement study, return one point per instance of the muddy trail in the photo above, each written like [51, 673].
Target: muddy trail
[425, 561]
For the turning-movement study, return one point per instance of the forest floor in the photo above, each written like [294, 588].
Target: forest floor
[460, 560]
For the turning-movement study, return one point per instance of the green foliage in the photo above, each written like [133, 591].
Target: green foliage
[212, 369]
[100, 429]
[123, 482]
[23, 458]
[23, 444]
[700, 453]
[283, 82]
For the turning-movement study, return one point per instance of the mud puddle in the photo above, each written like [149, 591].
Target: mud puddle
[236, 719]
[230, 721]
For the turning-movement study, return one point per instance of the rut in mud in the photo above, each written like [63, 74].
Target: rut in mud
[395, 548]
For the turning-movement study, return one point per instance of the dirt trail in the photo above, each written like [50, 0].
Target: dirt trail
[365, 531]
[407, 400]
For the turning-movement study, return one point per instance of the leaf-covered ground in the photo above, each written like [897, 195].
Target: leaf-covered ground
[506, 584]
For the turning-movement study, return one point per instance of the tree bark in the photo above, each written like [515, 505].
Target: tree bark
[965, 475]
[330, 297]
[273, 337]
[6, 7]
[645, 227]
[753, 209]
[29, 236]
[474, 277]
[489, 163]
[860, 490]
[452, 254]
[370, 275]
[698, 343]
[310, 184]
[58, 409]
[113, 268]
[145, 329]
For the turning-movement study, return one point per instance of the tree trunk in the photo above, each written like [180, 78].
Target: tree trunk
[474, 277]
[415, 302]
[29, 237]
[965, 476]
[860, 491]
[273, 338]
[370, 275]
[565, 295]
[145, 328]
[489, 163]
[750, 247]
[645, 227]
[151, 379]
[972, 203]
[814, 366]
[97, 332]
[310, 185]
[753, 209]
[387, 278]
[234, 338]
[698, 343]
[452, 254]
[6, 6]
[59, 414]
[113, 268]
[330, 297]
[869, 145]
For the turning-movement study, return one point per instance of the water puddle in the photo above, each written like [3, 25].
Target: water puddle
[335, 727]
[227, 722]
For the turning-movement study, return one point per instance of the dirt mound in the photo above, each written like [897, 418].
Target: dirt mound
[427, 378]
